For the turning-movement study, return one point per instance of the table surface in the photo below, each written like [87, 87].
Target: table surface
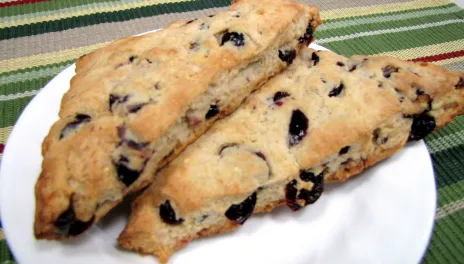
[39, 38]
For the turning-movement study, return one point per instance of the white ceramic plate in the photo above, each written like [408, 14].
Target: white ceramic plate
[385, 215]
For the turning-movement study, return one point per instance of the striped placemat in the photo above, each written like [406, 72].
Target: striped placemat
[39, 38]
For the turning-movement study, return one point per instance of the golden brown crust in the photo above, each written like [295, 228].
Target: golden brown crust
[136, 103]
[359, 111]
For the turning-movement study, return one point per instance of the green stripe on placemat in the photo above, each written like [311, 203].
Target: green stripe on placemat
[5, 255]
[409, 38]
[118, 16]
[49, 6]
[447, 245]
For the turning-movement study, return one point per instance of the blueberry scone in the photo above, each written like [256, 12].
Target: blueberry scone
[136, 103]
[325, 118]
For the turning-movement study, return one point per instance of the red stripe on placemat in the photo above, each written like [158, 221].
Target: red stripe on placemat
[2, 147]
[21, 2]
[439, 57]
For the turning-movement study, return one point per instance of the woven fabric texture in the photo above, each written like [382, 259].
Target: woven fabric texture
[39, 38]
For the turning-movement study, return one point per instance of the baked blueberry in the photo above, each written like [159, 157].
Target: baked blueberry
[287, 56]
[190, 21]
[168, 215]
[226, 146]
[337, 90]
[212, 111]
[117, 99]
[194, 45]
[240, 212]
[388, 70]
[290, 196]
[136, 145]
[376, 137]
[280, 95]
[79, 119]
[315, 58]
[310, 196]
[460, 83]
[135, 108]
[298, 127]
[125, 174]
[237, 39]
[261, 155]
[307, 35]
[344, 150]
[308, 176]
[68, 225]
[132, 58]
[421, 126]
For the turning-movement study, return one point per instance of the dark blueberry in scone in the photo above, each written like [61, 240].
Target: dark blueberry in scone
[136, 145]
[194, 45]
[344, 150]
[308, 176]
[337, 90]
[298, 127]
[125, 174]
[307, 35]
[168, 215]
[261, 155]
[190, 21]
[237, 39]
[79, 119]
[135, 108]
[68, 225]
[212, 111]
[240, 212]
[421, 126]
[117, 99]
[460, 83]
[278, 96]
[315, 58]
[388, 70]
[287, 56]
[311, 196]
[290, 196]
[226, 146]
[376, 137]
[121, 131]
[419, 91]
[132, 58]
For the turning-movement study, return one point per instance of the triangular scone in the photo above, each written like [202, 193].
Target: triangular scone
[136, 103]
[325, 118]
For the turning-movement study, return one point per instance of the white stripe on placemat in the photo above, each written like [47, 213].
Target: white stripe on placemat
[33, 74]
[18, 95]
[449, 209]
[386, 31]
